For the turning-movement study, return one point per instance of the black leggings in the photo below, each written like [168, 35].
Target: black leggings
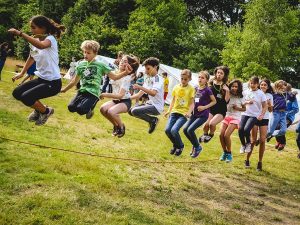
[82, 103]
[36, 89]
[246, 125]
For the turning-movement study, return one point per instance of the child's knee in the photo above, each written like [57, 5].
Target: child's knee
[16, 94]
[71, 108]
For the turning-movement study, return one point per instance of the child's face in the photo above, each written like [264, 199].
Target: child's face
[150, 70]
[36, 30]
[263, 86]
[253, 85]
[123, 63]
[234, 88]
[185, 78]
[88, 54]
[202, 80]
[219, 75]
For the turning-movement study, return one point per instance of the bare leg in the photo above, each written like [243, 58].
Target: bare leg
[214, 122]
[262, 142]
[222, 138]
[254, 132]
[206, 125]
[114, 111]
[38, 106]
[228, 132]
[104, 109]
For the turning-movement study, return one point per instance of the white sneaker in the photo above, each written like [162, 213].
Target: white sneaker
[248, 148]
[242, 149]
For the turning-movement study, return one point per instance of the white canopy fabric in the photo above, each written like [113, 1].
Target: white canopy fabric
[174, 79]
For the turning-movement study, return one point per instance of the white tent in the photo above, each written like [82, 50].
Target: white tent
[174, 78]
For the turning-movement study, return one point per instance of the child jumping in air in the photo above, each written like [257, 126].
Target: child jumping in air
[90, 72]
[256, 107]
[120, 96]
[218, 111]
[44, 51]
[261, 125]
[154, 87]
[180, 109]
[204, 100]
[278, 118]
[233, 116]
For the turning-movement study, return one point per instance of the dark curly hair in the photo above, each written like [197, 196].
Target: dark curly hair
[240, 88]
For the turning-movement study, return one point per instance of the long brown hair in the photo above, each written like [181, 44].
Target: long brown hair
[50, 26]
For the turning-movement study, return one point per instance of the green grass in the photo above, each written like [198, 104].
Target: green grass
[43, 186]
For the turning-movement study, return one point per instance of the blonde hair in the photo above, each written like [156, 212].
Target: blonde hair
[278, 85]
[206, 74]
[90, 45]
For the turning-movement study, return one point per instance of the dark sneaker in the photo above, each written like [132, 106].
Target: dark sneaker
[269, 138]
[256, 142]
[197, 152]
[208, 138]
[172, 151]
[90, 114]
[202, 138]
[153, 125]
[121, 131]
[259, 166]
[44, 117]
[281, 147]
[192, 152]
[277, 145]
[178, 151]
[247, 164]
[34, 116]
[115, 131]
[223, 156]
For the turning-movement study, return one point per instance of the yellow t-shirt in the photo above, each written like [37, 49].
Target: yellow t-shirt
[182, 97]
[166, 84]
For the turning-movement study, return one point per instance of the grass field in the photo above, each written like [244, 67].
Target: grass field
[44, 186]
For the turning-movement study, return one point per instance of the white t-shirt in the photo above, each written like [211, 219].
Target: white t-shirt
[46, 60]
[258, 97]
[123, 83]
[235, 114]
[269, 97]
[156, 83]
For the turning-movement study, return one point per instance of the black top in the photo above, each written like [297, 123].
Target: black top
[221, 106]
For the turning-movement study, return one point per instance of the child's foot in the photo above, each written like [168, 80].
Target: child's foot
[44, 116]
[197, 152]
[178, 151]
[248, 148]
[242, 149]
[281, 147]
[90, 114]
[202, 138]
[153, 125]
[247, 164]
[269, 138]
[172, 151]
[256, 142]
[229, 157]
[115, 131]
[208, 138]
[192, 152]
[34, 116]
[259, 166]
[277, 145]
[223, 156]
[121, 131]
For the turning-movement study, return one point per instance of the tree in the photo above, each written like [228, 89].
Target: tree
[153, 28]
[228, 11]
[201, 45]
[263, 47]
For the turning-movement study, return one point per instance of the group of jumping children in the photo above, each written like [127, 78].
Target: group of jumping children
[211, 102]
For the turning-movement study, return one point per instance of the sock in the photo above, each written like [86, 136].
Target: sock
[47, 111]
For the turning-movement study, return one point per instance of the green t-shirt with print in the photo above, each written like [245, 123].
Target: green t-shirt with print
[90, 74]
